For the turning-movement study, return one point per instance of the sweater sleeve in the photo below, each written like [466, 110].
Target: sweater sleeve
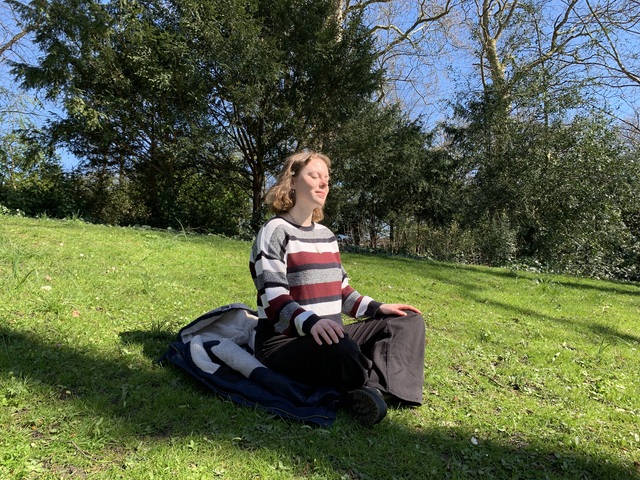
[269, 270]
[354, 304]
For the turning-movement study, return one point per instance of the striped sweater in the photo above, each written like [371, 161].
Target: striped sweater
[299, 278]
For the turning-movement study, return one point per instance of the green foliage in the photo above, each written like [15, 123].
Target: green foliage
[496, 240]
[101, 197]
[31, 178]
[151, 89]
[130, 98]
[384, 175]
[449, 243]
[560, 191]
[214, 204]
[580, 191]
[282, 75]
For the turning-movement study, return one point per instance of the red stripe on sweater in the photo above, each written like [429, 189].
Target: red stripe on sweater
[306, 258]
[318, 290]
[354, 310]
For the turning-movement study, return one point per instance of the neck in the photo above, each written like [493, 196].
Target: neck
[300, 217]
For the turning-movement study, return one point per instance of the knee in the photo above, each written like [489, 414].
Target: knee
[409, 326]
[415, 321]
[344, 349]
[349, 365]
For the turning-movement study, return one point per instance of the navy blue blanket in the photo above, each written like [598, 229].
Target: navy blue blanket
[217, 349]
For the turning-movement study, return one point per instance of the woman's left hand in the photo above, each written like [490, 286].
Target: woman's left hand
[397, 309]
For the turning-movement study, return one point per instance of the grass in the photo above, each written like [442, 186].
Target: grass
[528, 376]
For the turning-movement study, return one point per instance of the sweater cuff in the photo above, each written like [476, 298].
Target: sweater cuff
[372, 309]
[305, 328]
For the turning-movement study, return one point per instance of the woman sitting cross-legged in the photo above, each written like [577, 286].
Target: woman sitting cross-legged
[303, 290]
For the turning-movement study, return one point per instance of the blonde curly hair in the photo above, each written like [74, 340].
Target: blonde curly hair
[281, 197]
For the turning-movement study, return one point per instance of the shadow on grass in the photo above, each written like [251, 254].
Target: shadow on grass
[594, 327]
[472, 292]
[612, 286]
[143, 401]
[154, 343]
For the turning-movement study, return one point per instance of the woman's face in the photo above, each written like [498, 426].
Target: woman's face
[312, 185]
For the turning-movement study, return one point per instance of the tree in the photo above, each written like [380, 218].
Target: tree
[614, 37]
[563, 193]
[12, 32]
[527, 76]
[131, 100]
[282, 75]
[31, 177]
[428, 48]
[581, 196]
[411, 40]
[152, 87]
[384, 177]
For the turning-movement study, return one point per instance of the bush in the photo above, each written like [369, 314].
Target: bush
[496, 240]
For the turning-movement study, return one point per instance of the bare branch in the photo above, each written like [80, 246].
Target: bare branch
[609, 49]
[419, 23]
[13, 41]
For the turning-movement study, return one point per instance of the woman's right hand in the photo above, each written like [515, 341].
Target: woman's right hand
[327, 331]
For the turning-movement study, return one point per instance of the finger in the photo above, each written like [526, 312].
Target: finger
[411, 308]
[393, 310]
[339, 331]
[333, 335]
[405, 308]
[326, 334]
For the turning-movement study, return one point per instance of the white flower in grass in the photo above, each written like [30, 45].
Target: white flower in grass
[46, 288]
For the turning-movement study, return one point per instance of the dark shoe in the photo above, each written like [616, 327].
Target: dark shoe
[367, 405]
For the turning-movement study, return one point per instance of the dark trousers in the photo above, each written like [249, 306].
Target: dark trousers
[386, 353]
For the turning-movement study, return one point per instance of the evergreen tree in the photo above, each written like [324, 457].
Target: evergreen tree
[154, 89]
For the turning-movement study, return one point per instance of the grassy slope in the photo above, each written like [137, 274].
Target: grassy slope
[527, 375]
